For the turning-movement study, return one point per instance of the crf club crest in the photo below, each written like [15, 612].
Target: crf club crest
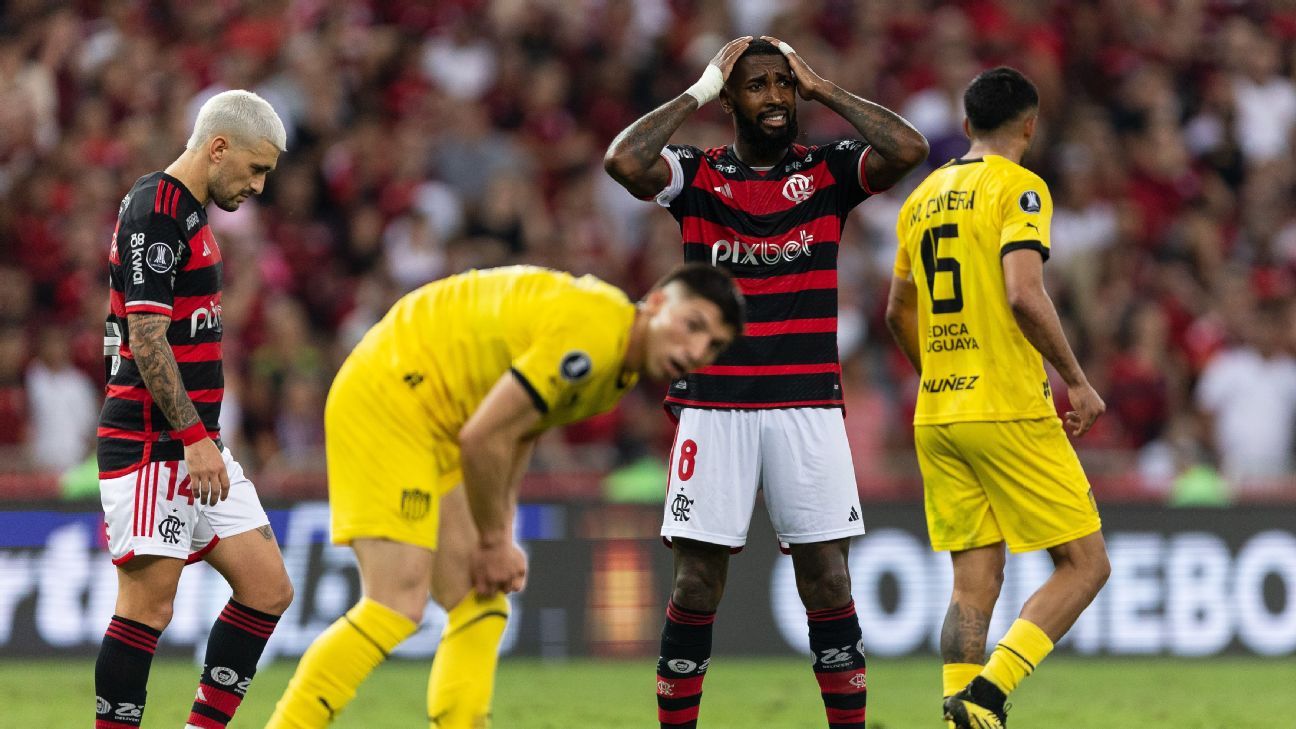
[681, 506]
[170, 528]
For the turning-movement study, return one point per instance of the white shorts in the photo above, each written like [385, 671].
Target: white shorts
[799, 456]
[152, 510]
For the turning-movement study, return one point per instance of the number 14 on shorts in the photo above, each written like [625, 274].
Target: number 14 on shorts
[180, 489]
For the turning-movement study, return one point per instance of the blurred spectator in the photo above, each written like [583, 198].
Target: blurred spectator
[1266, 100]
[63, 403]
[1249, 394]
[424, 141]
[13, 396]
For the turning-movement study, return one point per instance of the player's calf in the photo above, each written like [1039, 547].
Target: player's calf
[233, 649]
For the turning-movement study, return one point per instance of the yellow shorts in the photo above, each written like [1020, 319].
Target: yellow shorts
[387, 468]
[1015, 481]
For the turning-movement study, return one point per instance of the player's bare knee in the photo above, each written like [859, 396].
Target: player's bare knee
[1097, 569]
[978, 586]
[697, 590]
[825, 591]
[279, 597]
[155, 614]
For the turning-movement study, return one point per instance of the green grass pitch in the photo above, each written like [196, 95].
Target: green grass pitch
[1076, 693]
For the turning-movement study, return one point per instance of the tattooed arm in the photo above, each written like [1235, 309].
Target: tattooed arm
[634, 157]
[161, 374]
[897, 146]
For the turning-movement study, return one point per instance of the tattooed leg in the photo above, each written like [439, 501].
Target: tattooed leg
[963, 635]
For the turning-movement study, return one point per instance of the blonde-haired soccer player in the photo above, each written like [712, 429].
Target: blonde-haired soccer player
[171, 490]
[968, 307]
[453, 386]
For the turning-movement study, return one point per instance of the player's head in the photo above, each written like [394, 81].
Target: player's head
[241, 136]
[760, 94]
[1001, 101]
[693, 314]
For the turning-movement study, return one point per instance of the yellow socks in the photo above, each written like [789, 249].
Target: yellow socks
[954, 676]
[463, 672]
[1018, 653]
[337, 662]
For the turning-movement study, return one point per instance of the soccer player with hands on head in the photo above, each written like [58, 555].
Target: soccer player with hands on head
[769, 414]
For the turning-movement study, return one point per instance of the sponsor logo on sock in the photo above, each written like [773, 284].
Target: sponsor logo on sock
[102, 705]
[833, 656]
[681, 665]
[127, 710]
[224, 676]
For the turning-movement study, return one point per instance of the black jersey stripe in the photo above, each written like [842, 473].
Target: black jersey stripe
[814, 348]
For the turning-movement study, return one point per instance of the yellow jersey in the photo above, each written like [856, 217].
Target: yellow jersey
[447, 344]
[953, 230]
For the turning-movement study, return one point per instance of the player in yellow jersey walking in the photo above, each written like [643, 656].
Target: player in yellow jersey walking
[453, 386]
[969, 309]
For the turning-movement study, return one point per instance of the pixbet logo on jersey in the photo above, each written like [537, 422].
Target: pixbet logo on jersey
[205, 317]
[763, 252]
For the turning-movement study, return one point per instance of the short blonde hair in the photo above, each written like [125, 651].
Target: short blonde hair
[242, 115]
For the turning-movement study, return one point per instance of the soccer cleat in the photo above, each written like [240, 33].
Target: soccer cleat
[979, 706]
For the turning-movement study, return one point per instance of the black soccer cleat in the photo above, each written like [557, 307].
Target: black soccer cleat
[978, 706]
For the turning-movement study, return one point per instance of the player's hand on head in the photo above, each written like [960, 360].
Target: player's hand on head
[728, 55]
[499, 567]
[208, 478]
[809, 84]
[1086, 407]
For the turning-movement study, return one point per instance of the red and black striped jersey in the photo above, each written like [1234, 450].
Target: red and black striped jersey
[778, 233]
[163, 260]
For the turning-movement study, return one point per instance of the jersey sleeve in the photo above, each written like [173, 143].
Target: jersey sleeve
[684, 162]
[151, 249]
[845, 160]
[903, 265]
[1027, 216]
[568, 353]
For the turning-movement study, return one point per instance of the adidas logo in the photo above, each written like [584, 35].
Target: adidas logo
[854, 515]
[724, 190]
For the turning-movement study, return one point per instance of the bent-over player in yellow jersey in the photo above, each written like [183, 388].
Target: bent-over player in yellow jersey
[968, 308]
[453, 386]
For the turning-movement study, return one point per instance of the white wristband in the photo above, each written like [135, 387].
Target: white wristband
[785, 49]
[708, 87]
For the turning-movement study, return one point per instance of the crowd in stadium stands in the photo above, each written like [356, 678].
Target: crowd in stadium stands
[427, 138]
